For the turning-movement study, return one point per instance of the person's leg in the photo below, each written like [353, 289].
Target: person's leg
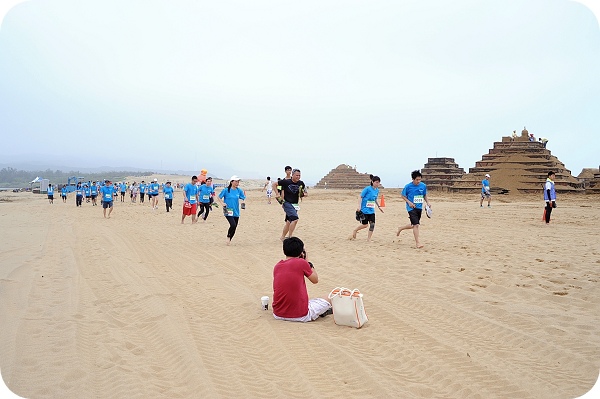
[416, 234]
[481, 202]
[110, 208]
[233, 222]
[548, 211]
[489, 200]
[207, 211]
[286, 228]
[360, 227]
[407, 227]
[371, 229]
[292, 227]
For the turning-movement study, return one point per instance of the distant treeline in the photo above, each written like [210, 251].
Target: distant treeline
[11, 177]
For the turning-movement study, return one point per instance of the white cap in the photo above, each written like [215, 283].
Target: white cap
[234, 177]
[486, 175]
[155, 179]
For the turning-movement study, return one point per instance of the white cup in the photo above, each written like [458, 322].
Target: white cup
[265, 302]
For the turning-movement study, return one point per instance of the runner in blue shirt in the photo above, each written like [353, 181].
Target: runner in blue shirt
[190, 198]
[123, 189]
[87, 192]
[153, 194]
[485, 191]
[78, 195]
[414, 194]
[231, 196]
[367, 204]
[50, 194]
[142, 191]
[205, 194]
[63, 193]
[94, 192]
[107, 192]
[168, 193]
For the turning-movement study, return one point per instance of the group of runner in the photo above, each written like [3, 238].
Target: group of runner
[199, 196]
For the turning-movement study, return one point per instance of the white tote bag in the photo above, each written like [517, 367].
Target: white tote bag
[348, 308]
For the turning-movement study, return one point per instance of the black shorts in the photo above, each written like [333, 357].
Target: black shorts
[370, 217]
[107, 204]
[415, 216]
[50, 196]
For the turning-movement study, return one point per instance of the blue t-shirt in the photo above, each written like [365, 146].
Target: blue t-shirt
[123, 187]
[79, 191]
[232, 200]
[94, 189]
[63, 191]
[369, 198]
[485, 183]
[107, 193]
[415, 194]
[168, 192]
[142, 188]
[190, 191]
[153, 189]
[50, 190]
[205, 192]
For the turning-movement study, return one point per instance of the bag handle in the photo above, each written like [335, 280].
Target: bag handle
[343, 291]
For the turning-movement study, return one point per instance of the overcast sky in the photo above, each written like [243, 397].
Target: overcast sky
[247, 87]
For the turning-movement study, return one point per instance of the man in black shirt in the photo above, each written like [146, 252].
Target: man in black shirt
[291, 189]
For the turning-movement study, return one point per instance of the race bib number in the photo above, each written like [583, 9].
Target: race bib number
[107, 196]
[205, 197]
[296, 207]
[370, 204]
[167, 196]
[229, 212]
[418, 199]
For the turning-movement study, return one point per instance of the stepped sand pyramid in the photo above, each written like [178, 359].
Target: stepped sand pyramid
[590, 177]
[517, 165]
[441, 173]
[346, 177]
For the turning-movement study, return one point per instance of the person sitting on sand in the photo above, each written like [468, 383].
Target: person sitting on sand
[290, 296]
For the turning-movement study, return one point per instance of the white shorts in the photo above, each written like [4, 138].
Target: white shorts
[316, 307]
[269, 194]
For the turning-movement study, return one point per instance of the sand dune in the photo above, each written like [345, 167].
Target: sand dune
[496, 305]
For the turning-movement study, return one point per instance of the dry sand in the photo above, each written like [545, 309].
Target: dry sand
[497, 304]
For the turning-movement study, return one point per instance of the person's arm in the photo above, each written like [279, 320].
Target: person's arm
[426, 200]
[185, 198]
[314, 277]
[410, 204]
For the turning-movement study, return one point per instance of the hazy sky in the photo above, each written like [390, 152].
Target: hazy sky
[247, 87]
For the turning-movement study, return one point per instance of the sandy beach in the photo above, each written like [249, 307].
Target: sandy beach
[496, 305]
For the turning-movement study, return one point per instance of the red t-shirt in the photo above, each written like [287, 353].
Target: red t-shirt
[290, 298]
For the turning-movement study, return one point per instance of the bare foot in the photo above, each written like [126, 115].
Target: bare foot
[281, 238]
[419, 246]
[353, 234]
[398, 232]
[228, 241]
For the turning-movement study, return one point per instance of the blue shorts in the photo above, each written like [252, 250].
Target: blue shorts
[290, 212]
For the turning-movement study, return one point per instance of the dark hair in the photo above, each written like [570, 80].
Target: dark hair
[194, 177]
[268, 177]
[374, 178]
[415, 174]
[293, 247]
[551, 173]
[288, 167]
